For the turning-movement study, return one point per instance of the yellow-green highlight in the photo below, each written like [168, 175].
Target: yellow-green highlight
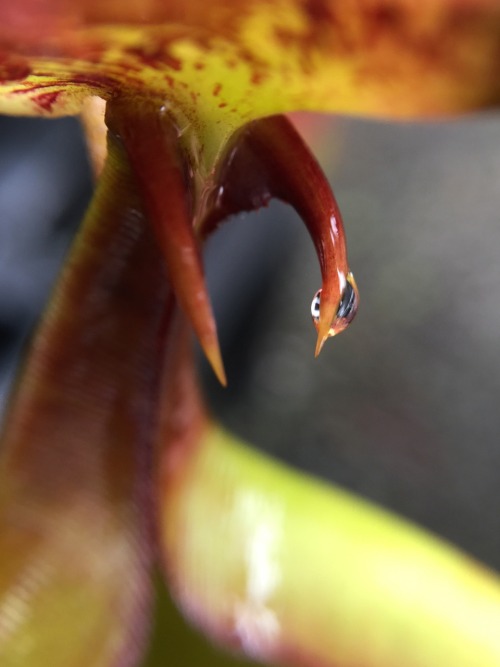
[299, 573]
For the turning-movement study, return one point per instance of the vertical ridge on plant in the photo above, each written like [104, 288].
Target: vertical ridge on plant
[75, 522]
[180, 80]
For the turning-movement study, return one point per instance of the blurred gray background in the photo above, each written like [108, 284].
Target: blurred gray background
[402, 408]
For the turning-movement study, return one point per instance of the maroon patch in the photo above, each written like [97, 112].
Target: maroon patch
[318, 11]
[46, 100]
[172, 62]
[94, 80]
[157, 57]
[13, 68]
[217, 89]
[257, 78]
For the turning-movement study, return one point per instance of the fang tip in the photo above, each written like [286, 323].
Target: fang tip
[319, 346]
[214, 358]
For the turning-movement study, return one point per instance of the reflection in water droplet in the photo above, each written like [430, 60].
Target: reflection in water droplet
[315, 306]
[348, 303]
[346, 311]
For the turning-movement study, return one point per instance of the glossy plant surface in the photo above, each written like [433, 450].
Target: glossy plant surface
[110, 464]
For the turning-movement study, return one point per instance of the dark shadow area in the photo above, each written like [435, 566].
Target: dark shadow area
[45, 186]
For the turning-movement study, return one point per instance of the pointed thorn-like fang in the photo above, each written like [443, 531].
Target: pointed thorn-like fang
[214, 358]
[150, 142]
[334, 317]
[328, 308]
[319, 345]
[265, 159]
[324, 328]
[185, 272]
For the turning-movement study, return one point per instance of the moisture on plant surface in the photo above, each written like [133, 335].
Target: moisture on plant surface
[128, 511]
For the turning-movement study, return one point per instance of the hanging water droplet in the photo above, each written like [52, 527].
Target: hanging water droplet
[345, 312]
[315, 306]
[349, 302]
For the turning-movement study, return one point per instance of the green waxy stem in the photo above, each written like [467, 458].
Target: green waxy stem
[296, 573]
[291, 571]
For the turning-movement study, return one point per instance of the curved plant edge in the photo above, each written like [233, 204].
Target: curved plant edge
[289, 570]
[211, 71]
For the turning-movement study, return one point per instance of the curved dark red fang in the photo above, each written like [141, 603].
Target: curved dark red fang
[268, 159]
